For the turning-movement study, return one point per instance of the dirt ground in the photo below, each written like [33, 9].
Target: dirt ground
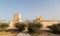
[3, 33]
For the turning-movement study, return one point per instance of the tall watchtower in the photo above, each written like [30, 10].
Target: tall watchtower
[39, 18]
[17, 17]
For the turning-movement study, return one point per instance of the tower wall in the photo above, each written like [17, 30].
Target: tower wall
[39, 18]
[16, 18]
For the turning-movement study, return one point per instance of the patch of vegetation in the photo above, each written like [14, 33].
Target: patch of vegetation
[55, 28]
[3, 26]
[34, 28]
[20, 26]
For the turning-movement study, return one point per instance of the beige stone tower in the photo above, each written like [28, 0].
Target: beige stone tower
[16, 18]
[39, 18]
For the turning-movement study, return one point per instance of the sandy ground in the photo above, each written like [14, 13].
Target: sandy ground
[23, 34]
[7, 34]
[44, 33]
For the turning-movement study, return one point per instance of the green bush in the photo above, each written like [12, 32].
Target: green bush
[55, 28]
[20, 26]
[3, 26]
[34, 28]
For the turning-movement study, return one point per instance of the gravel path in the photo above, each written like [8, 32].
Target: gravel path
[23, 34]
[44, 33]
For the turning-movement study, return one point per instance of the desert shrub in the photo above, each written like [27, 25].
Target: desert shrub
[3, 26]
[55, 28]
[20, 26]
[34, 28]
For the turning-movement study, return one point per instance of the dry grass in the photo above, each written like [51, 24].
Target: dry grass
[4, 33]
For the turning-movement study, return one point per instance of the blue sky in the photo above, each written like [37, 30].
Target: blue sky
[49, 9]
